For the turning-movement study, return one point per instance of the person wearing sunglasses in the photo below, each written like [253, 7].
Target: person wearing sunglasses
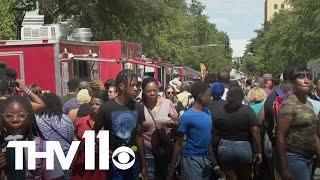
[170, 94]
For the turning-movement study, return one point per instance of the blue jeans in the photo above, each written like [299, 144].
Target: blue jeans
[234, 153]
[299, 166]
[118, 174]
[150, 162]
[192, 167]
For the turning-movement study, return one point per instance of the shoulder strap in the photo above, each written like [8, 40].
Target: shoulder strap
[64, 138]
[154, 121]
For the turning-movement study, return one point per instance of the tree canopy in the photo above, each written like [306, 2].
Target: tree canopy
[7, 30]
[172, 30]
[291, 38]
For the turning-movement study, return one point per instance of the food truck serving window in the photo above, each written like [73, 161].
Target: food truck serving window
[81, 69]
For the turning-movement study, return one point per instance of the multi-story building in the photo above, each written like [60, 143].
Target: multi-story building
[272, 7]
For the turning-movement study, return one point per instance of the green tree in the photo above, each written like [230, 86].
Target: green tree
[290, 39]
[8, 17]
[7, 29]
[166, 29]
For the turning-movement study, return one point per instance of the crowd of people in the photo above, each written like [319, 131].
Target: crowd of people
[260, 128]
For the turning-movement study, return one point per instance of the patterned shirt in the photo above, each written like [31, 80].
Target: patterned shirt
[300, 138]
[71, 104]
[67, 97]
[53, 128]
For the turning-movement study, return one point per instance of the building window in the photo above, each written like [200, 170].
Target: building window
[275, 6]
[282, 6]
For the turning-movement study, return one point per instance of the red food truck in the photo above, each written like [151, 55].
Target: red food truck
[51, 63]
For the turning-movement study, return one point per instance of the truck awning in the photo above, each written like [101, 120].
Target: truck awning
[141, 63]
[93, 59]
[132, 61]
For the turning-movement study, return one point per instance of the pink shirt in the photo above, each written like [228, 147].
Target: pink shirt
[165, 107]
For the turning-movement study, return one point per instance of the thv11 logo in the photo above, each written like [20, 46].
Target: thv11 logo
[123, 157]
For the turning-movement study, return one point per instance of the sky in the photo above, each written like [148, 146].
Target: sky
[238, 18]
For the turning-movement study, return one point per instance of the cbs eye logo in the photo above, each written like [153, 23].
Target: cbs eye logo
[123, 158]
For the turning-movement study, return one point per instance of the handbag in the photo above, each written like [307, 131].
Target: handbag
[162, 148]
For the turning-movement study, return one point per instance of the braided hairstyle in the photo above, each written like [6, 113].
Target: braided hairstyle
[124, 77]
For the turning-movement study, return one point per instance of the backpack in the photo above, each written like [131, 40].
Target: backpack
[276, 110]
[276, 106]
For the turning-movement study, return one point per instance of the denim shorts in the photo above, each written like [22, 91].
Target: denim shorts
[193, 166]
[234, 153]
